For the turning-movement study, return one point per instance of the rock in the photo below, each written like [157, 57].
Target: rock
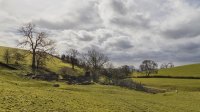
[56, 85]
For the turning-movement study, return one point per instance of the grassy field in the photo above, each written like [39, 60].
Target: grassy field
[171, 84]
[187, 70]
[23, 95]
[192, 70]
[20, 94]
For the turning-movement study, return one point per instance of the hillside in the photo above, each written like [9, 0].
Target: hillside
[184, 78]
[192, 70]
[171, 83]
[54, 65]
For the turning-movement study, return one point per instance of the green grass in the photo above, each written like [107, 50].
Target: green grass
[192, 70]
[18, 94]
[171, 84]
[187, 70]
[54, 65]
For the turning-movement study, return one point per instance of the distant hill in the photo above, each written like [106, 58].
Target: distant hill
[192, 70]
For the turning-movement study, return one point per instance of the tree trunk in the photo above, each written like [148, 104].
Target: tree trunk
[33, 60]
[95, 75]
[37, 64]
[72, 62]
[147, 73]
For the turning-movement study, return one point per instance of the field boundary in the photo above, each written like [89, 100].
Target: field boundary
[127, 83]
[173, 77]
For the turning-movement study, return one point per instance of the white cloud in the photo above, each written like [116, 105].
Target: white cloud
[129, 31]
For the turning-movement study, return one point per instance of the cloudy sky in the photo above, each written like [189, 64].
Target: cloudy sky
[128, 31]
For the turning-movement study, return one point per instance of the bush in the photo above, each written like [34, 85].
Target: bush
[104, 80]
[129, 83]
[68, 71]
[78, 79]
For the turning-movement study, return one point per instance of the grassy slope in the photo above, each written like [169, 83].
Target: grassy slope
[187, 70]
[54, 65]
[172, 84]
[25, 95]
[192, 70]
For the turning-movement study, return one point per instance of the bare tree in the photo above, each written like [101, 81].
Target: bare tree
[117, 73]
[73, 53]
[163, 66]
[95, 61]
[126, 70]
[36, 41]
[7, 56]
[149, 67]
[108, 71]
[168, 65]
